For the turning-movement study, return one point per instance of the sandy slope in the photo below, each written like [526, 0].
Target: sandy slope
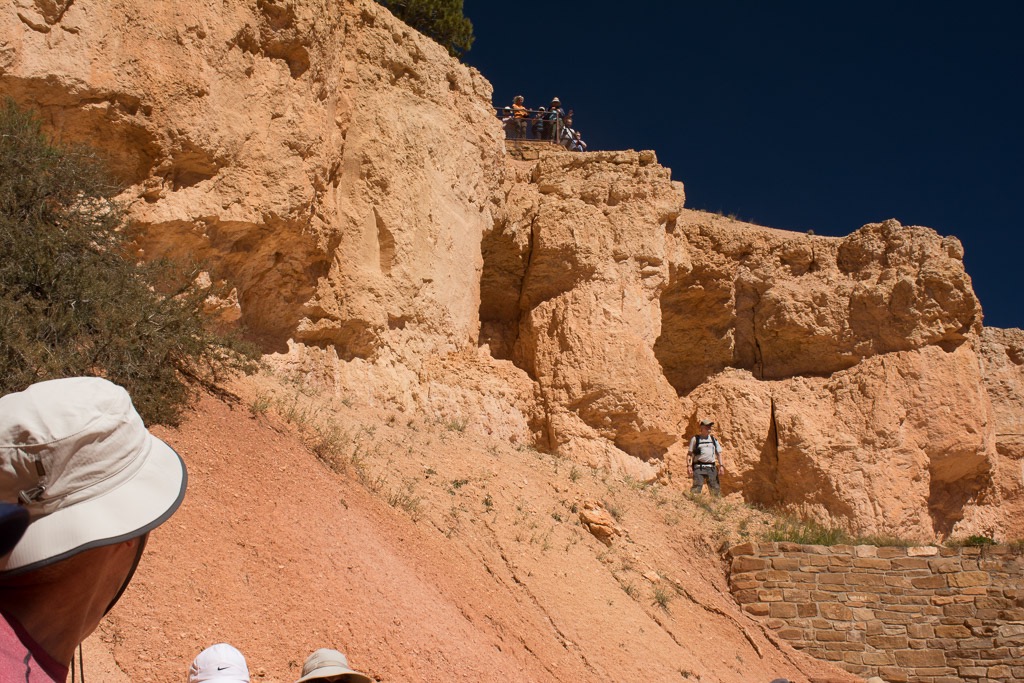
[427, 553]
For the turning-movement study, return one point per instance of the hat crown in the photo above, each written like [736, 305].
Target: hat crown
[220, 662]
[322, 658]
[63, 440]
[328, 664]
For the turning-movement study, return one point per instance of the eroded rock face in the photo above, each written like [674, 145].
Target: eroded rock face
[782, 304]
[1002, 362]
[897, 445]
[842, 371]
[331, 168]
[344, 183]
[331, 164]
[574, 274]
[1001, 353]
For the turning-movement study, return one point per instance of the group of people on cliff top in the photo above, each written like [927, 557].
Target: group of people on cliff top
[551, 124]
[82, 484]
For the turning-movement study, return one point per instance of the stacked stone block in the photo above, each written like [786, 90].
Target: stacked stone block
[920, 614]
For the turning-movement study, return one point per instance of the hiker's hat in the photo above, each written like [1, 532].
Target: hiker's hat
[325, 663]
[555, 100]
[220, 662]
[706, 423]
[76, 456]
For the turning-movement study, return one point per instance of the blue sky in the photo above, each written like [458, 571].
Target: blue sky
[802, 116]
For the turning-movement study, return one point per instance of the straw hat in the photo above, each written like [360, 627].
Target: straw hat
[325, 663]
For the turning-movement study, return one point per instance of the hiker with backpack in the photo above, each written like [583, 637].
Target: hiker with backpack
[706, 462]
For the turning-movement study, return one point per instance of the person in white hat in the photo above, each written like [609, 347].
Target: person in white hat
[706, 463]
[220, 662]
[330, 665]
[75, 455]
[553, 120]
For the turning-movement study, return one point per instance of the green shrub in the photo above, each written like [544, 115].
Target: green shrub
[806, 532]
[441, 20]
[72, 302]
[887, 541]
[971, 541]
[809, 532]
[662, 597]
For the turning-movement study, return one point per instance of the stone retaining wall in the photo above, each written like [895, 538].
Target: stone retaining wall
[926, 614]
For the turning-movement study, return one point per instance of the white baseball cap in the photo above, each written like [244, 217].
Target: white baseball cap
[220, 662]
[325, 663]
[76, 455]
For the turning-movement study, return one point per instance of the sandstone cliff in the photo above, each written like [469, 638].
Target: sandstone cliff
[346, 179]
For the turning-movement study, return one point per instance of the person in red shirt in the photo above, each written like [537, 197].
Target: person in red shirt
[76, 456]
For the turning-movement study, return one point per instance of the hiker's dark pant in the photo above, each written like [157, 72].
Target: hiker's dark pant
[708, 474]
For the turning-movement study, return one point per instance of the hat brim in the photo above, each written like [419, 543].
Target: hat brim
[137, 506]
[331, 671]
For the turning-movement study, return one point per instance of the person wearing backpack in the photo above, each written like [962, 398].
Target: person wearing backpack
[706, 462]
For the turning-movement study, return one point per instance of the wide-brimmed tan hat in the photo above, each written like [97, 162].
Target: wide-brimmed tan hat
[707, 423]
[76, 455]
[220, 662]
[325, 663]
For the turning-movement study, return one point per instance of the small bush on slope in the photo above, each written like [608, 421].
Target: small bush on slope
[71, 302]
[810, 532]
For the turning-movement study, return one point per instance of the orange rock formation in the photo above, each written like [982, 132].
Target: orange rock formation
[348, 182]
